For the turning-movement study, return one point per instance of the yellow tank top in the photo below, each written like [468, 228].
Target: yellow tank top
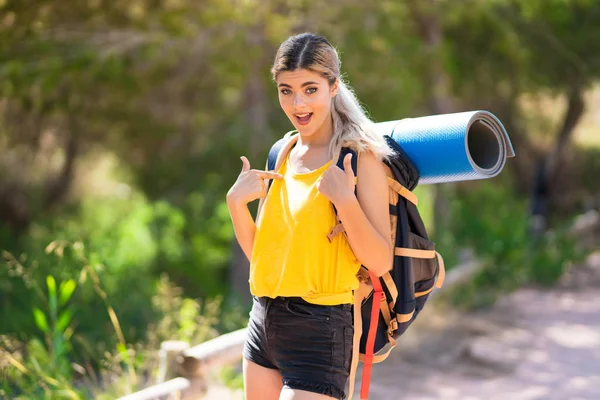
[292, 255]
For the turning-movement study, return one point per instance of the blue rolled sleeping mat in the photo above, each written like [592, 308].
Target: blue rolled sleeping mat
[452, 147]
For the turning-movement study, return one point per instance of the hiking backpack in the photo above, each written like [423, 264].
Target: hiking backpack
[385, 307]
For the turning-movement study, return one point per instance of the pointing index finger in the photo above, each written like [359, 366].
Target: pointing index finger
[269, 175]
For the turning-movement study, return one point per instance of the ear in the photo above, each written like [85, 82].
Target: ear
[334, 88]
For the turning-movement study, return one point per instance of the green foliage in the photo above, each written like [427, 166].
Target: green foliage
[126, 242]
[193, 321]
[37, 375]
[489, 218]
[523, 45]
[47, 371]
[195, 243]
[57, 331]
[232, 378]
[426, 196]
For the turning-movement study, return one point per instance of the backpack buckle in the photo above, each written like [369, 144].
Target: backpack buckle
[339, 228]
[363, 276]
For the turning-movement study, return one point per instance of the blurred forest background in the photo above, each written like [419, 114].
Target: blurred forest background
[121, 127]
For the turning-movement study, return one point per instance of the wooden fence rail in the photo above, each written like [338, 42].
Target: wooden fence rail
[172, 387]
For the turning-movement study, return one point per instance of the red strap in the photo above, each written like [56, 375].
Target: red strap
[368, 359]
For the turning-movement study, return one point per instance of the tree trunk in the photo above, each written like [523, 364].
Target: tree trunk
[13, 214]
[575, 108]
[544, 189]
[58, 187]
[18, 204]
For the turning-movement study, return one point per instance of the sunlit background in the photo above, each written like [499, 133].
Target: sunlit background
[121, 127]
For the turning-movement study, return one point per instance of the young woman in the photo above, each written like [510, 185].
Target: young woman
[300, 332]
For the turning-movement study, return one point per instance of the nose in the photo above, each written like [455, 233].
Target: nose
[298, 101]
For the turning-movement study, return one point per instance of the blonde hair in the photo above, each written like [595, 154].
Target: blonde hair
[351, 126]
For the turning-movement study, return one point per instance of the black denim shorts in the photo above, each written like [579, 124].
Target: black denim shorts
[309, 344]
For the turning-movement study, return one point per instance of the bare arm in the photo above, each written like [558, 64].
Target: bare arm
[366, 217]
[247, 188]
[243, 226]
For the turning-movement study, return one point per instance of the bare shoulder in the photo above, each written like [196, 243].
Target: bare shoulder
[372, 182]
[373, 193]
[370, 169]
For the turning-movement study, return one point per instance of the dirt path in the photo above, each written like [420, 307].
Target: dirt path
[534, 344]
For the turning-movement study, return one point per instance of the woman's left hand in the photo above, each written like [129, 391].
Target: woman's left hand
[337, 184]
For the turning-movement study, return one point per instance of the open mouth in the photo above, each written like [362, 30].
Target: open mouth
[303, 119]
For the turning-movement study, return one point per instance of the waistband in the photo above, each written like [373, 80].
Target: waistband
[296, 300]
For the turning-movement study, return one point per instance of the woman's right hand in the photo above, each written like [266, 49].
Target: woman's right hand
[250, 184]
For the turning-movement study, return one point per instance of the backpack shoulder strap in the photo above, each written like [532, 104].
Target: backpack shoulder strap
[277, 147]
[282, 145]
[345, 151]
[274, 152]
[339, 228]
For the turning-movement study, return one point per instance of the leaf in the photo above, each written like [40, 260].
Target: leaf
[69, 393]
[17, 364]
[52, 295]
[64, 320]
[83, 275]
[40, 320]
[57, 247]
[122, 349]
[50, 248]
[51, 285]
[66, 291]
[124, 353]
[68, 333]
[42, 375]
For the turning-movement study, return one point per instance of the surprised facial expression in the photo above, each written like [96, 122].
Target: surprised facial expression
[305, 97]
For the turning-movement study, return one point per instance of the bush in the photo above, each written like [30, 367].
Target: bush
[48, 368]
[115, 253]
[490, 218]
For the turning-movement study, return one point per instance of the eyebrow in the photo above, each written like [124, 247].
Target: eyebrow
[304, 84]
